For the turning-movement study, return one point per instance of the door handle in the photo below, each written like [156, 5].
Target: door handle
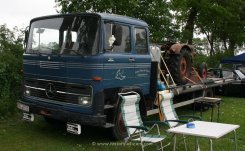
[131, 59]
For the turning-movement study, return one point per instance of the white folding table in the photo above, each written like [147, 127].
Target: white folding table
[208, 130]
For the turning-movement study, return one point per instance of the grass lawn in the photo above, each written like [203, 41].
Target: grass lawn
[18, 135]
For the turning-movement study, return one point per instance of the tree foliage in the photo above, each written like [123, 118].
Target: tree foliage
[221, 21]
[10, 67]
[156, 13]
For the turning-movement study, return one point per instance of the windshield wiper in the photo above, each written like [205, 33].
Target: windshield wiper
[35, 51]
[53, 51]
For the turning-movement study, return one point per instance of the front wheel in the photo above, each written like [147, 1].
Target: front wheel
[118, 131]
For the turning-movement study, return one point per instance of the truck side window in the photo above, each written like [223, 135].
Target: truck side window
[121, 47]
[140, 41]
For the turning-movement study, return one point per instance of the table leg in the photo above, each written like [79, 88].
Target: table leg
[211, 144]
[218, 112]
[185, 142]
[235, 140]
[174, 142]
[212, 114]
[196, 144]
[201, 108]
[194, 108]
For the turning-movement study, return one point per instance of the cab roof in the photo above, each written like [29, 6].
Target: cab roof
[104, 16]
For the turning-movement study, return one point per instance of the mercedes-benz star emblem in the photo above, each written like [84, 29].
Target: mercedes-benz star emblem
[50, 90]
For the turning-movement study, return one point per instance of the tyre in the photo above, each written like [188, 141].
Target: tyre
[180, 66]
[119, 131]
[203, 71]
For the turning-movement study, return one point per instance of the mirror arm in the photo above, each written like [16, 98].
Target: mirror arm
[26, 36]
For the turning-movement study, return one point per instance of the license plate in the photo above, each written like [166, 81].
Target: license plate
[23, 107]
[74, 128]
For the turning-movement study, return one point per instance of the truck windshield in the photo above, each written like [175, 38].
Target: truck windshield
[69, 35]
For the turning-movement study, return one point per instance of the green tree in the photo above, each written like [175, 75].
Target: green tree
[225, 25]
[220, 21]
[10, 68]
[186, 12]
[156, 13]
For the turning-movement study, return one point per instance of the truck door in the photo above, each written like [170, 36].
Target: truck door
[142, 59]
[118, 58]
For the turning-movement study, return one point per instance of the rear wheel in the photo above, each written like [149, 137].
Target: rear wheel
[180, 66]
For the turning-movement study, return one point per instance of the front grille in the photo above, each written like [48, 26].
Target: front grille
[57, 91]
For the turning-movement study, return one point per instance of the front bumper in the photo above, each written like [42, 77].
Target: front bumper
[62, 115]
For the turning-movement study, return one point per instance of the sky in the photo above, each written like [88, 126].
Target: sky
[20, 12]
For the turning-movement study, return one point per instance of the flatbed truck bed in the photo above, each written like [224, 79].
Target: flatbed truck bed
[191, 89]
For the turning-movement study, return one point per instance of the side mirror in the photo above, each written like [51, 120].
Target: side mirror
[117, 32]
[26, 36]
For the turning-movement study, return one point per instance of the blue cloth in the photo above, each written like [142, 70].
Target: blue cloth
[160, 86]
[239, 59]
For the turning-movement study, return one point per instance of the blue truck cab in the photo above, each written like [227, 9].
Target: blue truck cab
[75, 65]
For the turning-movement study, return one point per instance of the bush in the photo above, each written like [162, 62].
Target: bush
[10, 70]
[199, 59]
[214, 61]
[211, 61]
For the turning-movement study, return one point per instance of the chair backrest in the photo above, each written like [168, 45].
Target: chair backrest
[167, 107]
[130, 110]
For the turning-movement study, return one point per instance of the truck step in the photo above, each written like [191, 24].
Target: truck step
[108, 125]
[108, 106]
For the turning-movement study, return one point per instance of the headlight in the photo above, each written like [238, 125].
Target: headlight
[84, 100]
[27, 91]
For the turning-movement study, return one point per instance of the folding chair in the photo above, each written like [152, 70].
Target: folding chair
[167, 111]
[133, 122]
